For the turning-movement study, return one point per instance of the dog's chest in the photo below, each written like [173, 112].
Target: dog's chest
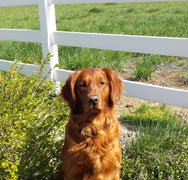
[90, 155]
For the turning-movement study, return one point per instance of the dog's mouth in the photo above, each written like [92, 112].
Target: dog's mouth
[94, 109]
[92, 113]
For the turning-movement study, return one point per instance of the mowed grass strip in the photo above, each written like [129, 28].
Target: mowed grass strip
[169, 19]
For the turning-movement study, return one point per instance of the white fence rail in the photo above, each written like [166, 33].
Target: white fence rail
[50, 39]
[128, 43]
[21, 35]
[5, 3]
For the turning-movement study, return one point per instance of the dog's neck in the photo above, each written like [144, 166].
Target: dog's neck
[91, 125]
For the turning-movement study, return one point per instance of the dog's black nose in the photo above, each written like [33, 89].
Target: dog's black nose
[94, 100]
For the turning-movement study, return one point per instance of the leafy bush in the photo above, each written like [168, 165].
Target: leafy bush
[31, 126]
[160, 150]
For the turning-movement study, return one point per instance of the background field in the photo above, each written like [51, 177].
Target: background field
[168, 19]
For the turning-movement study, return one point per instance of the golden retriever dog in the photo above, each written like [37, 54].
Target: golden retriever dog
[92, 148]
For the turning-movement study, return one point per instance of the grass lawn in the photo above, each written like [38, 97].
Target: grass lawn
[168, 19]
[160, 149]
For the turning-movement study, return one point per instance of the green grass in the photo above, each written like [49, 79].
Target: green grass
[147, 64]
[168, 19]
[160, 150]
[143, 69]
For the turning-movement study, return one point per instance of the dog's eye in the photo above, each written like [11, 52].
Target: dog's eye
[83, 84]
[102, 83]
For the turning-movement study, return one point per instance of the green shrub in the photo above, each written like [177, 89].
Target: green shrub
[160, 150]
[31, 126]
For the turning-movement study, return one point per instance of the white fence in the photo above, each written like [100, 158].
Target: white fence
[50, 39]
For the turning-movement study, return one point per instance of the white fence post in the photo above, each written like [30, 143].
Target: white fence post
[47, 26]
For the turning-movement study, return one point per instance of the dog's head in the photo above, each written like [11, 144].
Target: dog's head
[92, 90]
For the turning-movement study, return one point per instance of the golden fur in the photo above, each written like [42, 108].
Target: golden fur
[92, 148]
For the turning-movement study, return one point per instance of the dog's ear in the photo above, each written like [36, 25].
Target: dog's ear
[116, 86]
[68, 90]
